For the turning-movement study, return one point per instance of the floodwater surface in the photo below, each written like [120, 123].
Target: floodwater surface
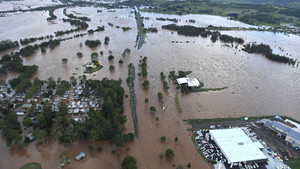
[256, 86]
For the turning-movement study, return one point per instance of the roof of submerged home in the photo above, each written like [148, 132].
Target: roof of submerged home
[236, 145]
[192, 82]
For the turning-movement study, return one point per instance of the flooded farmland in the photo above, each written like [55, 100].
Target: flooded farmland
[256, 86]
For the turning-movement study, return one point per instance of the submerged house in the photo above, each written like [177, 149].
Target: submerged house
[190, 82]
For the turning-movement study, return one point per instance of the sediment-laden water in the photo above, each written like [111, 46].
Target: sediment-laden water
[256, 86]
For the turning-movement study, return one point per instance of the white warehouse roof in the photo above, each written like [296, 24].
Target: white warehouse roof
[236, 145]
[192, 82]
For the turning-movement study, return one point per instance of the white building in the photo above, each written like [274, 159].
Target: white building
[236, 146]
[191, 82]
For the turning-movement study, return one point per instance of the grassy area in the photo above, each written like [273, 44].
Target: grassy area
[178, 104]
[200, 152]
[294, 164]
[32, 165]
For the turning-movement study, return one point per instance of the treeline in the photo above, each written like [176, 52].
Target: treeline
[227, 38]
[78, 23]
[188, 30]
[51, 13]
[84, 18]
[126, 28]
[167, 19]
[99, 28]
[31, 49]
[267, 51]
[7, 44]
[259, 17]
[80, 26]
[26, 41]
[92, 43]
[150, 30]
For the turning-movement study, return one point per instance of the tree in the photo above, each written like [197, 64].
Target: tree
[146, 100]
[161, 156]
[79, 54]
[169, 154]
[111, 67]
[73, 81]
[120, 61]
[176, 139]
[111, 57]
[160, 96]
[163, 138]
[162, 75]
[91, 148]
[189, 165]
[64, 61]
[129, 162]
[106, 40]
[10, 128]
[146, 84]
[152, 109]
[166, 86]
[40, 135]
[51, 83]
[64, 157]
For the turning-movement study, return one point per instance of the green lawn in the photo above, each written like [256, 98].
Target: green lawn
[294, 164]
[31, 165]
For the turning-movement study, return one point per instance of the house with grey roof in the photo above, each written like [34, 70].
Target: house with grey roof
[278, 127]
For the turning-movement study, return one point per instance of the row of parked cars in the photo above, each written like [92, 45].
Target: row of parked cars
[209, 149]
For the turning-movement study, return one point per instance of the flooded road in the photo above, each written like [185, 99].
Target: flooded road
[256, 86]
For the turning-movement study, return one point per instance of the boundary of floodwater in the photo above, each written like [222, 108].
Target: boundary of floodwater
[228, 119]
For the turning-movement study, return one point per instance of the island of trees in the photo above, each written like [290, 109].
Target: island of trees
[267, 51]
[188, 30]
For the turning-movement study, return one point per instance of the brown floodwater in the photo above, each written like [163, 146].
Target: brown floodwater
[256, 86]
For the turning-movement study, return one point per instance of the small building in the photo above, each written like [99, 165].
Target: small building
[191, 82]
[278, 127]
[20, 113]
[293, 137]
[76, 111]
[80, 156]
[26, 106]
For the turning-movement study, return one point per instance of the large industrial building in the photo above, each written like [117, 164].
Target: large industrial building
[237, 147]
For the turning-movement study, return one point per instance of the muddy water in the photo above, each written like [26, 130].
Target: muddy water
[256, 86]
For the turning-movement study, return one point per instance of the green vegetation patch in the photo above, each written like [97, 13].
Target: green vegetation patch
[294, 164]
[31, 165]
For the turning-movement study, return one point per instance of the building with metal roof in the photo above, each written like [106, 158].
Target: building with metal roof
[236, 146]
